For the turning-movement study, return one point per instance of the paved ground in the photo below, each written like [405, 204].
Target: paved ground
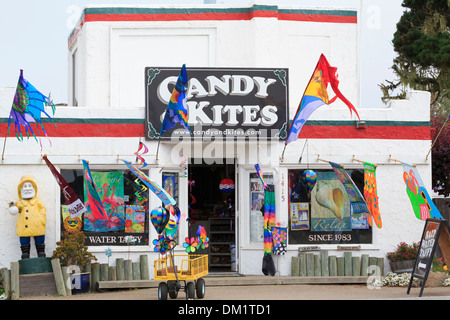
[272, 292]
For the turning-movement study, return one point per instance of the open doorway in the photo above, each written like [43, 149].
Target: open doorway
[212, 205]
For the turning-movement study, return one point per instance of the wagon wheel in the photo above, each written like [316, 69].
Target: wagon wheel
[200, 288]
[190, 290]
[173, 289]
[162, 291]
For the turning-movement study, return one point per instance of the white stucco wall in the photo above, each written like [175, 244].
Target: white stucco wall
[110, 65]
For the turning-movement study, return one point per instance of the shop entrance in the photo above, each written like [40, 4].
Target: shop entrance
[212, 205]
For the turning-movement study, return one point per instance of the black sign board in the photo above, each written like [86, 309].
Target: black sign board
[436, 231]
[222, 102]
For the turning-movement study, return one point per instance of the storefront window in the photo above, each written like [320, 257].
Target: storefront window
[323, 215]
[257, 206]
[125, 200]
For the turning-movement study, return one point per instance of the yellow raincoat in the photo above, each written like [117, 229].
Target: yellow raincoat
[32, 213]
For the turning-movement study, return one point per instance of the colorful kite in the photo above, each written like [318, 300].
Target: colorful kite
[72, 201]
[28, 105]
[371, 194]
[357, 202]
[260, 175]
[421, 202]
[154, 187]
[176, 111]
[316, 95]
[268, 267]
[95, 204]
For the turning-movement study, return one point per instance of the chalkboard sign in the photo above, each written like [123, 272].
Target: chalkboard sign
[436, 231]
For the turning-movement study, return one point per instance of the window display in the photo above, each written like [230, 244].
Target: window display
[125, 201]
[324, 214]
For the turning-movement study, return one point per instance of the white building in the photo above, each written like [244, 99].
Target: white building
[108, 53]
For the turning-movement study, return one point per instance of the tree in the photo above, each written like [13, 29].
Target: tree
[422, 42]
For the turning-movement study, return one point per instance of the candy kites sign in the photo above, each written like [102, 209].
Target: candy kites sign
[222, 102]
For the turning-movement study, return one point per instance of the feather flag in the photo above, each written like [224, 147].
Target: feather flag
[27, 107]
[154, 187]
[316, 95]
[95, 203]
[371, 194]
[421, 202]
[72, 201]
[176, 111]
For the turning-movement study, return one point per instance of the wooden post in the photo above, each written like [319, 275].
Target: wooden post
[112, 273]
[136, 271]
[347, 264]
[324, 258]
[120, 269]
[6, 280]
[310, 264]
[66, 279]
[356, 268]
[333, 266]
[340, 266]
[364, 264]
[317, 266]
[104, 272]
[145, 273]
[380, 264]
[302, 264]
[15, 291]
[95, 275]
[294, 266]
[128, 270]
[59, 280]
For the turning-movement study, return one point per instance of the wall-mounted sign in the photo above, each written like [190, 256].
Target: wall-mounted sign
[222, 102]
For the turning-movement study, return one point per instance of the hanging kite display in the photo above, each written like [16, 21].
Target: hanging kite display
[371, 194]
[139, 155]
[309, 179]
[359, 210]
[154, 187]
[268, 267]
[279, 235]
[28, 105]
[316, 95]
[72, 201]
[159, 218]
[94, 201]
[174, 218]
[421, 202]
[259, 173]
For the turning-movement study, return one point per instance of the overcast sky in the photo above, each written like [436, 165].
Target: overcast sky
[33, 37]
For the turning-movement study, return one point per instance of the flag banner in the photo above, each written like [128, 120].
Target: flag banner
[28, 105]
[93, 199]
[371, 194]
[359, 210]
[110, 191]
[154, 187]
[176, 111]
[316, 95]
[75, 206]
[421, 202]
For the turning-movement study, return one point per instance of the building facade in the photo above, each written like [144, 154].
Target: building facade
[235, 56]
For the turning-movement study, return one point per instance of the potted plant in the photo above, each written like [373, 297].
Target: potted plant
[72, 253]
[403, 258]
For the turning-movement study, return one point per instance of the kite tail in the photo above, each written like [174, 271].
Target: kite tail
[331, 77]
